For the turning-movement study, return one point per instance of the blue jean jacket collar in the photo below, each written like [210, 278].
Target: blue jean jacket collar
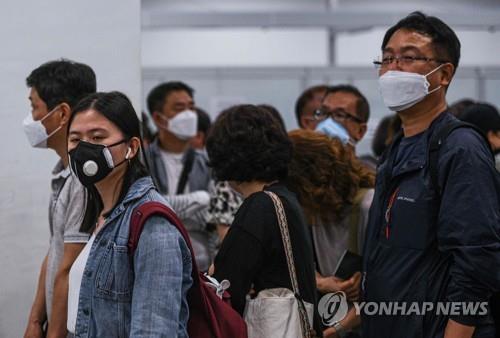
[138, 189]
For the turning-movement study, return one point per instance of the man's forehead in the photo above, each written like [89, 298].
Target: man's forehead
[408, 39]
[340, 98]
[178, 95]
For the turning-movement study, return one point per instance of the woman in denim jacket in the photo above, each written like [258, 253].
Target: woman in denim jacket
[113, 293]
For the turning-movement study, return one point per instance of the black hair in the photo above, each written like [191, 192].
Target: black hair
[247, 144]
[386, 130]
[275, 113]
[378, 141]
[304, 98]
[445, 42]
[362, 106]
[117, 108]
[204, 122]
[483, 115]
[457, 108]
[157, 96]
[62, 81]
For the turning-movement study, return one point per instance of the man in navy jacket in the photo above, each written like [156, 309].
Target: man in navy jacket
[429, 244]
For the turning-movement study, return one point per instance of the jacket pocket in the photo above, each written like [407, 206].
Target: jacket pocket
[411, 224]
[114, 276]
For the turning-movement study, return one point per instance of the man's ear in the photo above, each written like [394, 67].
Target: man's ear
[447, 71]
[308, 123]
[159, 120]
[363, 127]
[65, 111]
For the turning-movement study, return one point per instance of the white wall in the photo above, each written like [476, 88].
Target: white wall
[251, 47]
[226, 47]
[102, 34]
[479, 48]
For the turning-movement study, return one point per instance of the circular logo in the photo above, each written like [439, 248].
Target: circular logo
[333, 308]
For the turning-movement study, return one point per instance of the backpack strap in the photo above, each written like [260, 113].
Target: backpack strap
[202, 316]
[186, 169]
[139, 217]
[354, 218]
[437, 139]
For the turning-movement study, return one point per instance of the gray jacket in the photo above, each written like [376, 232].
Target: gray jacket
[198, 179]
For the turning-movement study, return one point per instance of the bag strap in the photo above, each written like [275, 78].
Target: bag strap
[285, 236]
[354, 221]
[186, 169]
[139, 217]
[196, 295]
[437, 140]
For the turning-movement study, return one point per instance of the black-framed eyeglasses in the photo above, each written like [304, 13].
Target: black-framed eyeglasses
[404, 60]
[339, 115]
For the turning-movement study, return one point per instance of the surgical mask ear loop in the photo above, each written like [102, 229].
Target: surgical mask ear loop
[432, 71]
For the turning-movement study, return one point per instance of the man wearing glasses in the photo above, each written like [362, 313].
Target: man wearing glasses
[432, 240]
[346, 106]
[307, 104]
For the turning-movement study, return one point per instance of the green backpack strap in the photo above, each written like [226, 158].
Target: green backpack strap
[354, 218]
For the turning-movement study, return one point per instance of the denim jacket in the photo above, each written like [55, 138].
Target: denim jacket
[139, 296]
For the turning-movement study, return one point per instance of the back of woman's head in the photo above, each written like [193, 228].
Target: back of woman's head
[325, 175]
[246, 144]
[117, 108]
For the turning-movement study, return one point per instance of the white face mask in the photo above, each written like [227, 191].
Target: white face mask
[402, 90]
[36, 132]
[183, 125]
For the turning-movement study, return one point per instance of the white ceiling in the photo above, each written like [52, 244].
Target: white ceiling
[338, 15]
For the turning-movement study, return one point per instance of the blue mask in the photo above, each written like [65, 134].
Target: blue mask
[332, 128]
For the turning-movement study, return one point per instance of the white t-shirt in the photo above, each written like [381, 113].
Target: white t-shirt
[75, 282]
[173, 167]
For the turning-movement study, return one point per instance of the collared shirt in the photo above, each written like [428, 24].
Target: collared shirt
[66, 212]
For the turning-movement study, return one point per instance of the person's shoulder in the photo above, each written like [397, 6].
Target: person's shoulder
[73, 190]
[467, 141]
[160, 224]
[257, 211]
[74, 183]
[260, 201]
[200, 159]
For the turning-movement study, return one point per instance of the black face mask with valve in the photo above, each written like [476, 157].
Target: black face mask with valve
[92, 162]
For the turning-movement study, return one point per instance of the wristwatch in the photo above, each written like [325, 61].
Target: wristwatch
[340, 330]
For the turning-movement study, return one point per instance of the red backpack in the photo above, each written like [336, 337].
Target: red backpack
[209, 315]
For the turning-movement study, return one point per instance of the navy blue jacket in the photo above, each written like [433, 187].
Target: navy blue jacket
[433, 245]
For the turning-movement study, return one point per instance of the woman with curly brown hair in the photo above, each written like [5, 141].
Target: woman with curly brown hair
[335, 191]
